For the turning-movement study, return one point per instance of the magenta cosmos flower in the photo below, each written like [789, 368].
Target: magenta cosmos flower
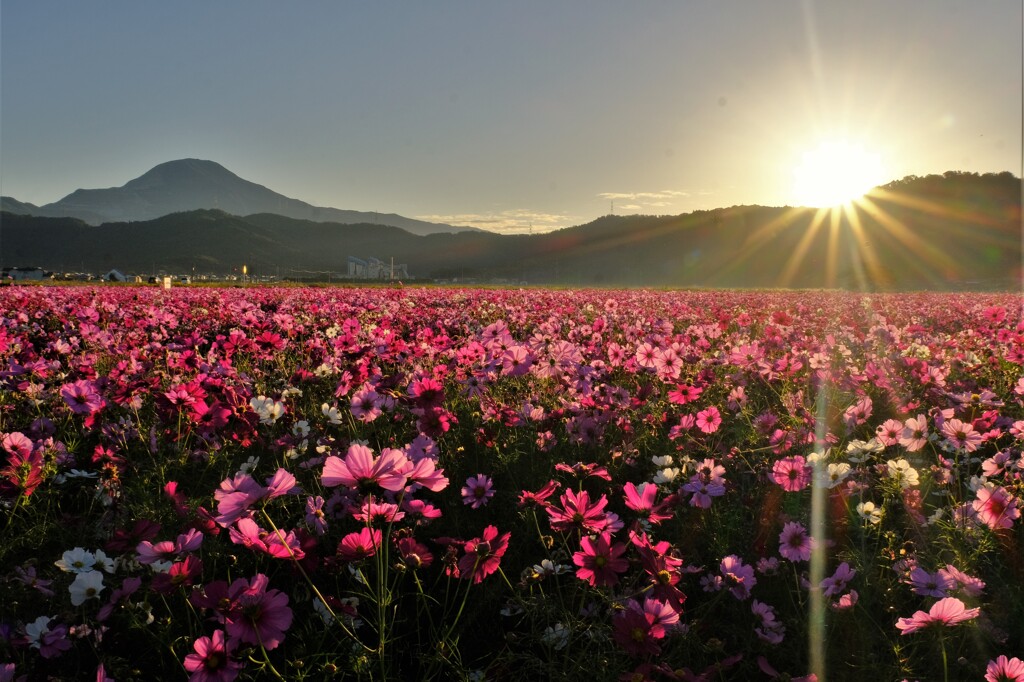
[361, 470]
[949, 611]
[737, 576]
[600, 561]
[579, 512]
[211, 660]
[483, 554]
[996, 507]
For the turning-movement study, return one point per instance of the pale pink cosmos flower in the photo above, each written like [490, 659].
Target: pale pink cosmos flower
[889, 432]
[971, 586]
[948, 611]
[360, 469]
[366, 404]
[961, 435]
[915, 433]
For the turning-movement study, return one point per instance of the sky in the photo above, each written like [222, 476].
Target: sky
[510, 116]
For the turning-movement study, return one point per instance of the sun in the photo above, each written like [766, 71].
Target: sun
[834, 173]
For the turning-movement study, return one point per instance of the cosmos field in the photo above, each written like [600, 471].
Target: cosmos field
[404, 483]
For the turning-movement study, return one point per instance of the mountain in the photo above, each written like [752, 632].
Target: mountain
[190, 184]
[955, 231]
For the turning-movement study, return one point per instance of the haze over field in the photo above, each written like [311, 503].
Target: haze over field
[512, 117]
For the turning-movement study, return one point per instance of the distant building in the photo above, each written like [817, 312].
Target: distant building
[30, 273]
[115, 276]
[374, 268]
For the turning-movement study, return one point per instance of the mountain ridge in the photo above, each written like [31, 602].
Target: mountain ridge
[191, 184]
[945, 232]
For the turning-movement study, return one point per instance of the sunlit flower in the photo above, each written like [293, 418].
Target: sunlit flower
[600, 562]
[949, 611]
[1004, 669]
[483, 554]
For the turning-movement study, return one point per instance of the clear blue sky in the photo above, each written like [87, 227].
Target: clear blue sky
[503, 114]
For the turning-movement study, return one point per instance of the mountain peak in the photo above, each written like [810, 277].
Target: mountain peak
[182, 170]
[190, 184]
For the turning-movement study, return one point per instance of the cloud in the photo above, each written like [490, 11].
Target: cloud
[637, 196]
[513, 221]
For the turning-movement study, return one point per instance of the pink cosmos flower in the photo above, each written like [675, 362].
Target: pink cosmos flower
[792, 473]
[478, 491]
[414, 554]
[315, 515]
[702, 492]
[642, 502]
[995, 507]
[600, 561]
[949, 611]
[366, 405]
[709, 420]
[539, 498]
[971, 586]
[359, 545]
[361, 470]
[737, 576]
[889, 432]
[961, 435]
[257, 615]
[836, 583]
[915, 433]
[794, 544]
[211, 660]
[425, 473]
[82, 397]
[483, 554]
[1003, 669]
[638, 627]
[770, 629]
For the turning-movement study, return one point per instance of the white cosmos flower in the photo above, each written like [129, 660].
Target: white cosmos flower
[332, 413]
[35, 630]
[86, 586]
[869, 512]
[77, 560]
[901, 470]
[837, 473]
[268, 409]
[666, 475]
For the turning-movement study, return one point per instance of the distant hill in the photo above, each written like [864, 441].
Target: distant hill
[938, 232]
[190, 184]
